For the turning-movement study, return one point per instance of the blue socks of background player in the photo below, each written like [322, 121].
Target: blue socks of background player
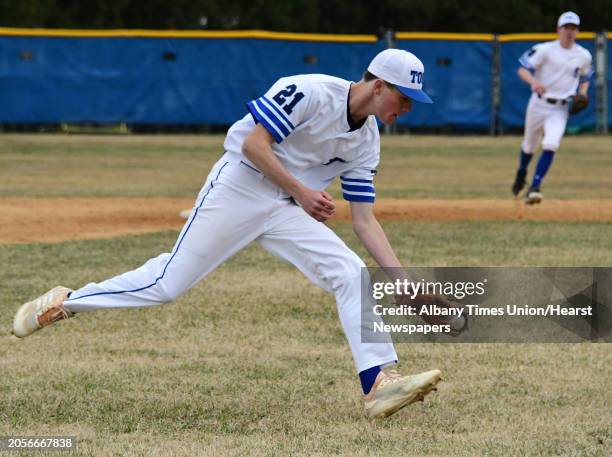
[544, 163]
[524, 162]
[367, 378]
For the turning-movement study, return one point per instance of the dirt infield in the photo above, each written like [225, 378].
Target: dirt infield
[34, 220]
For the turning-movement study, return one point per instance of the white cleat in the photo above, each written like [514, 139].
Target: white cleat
[533, 197]
[45, 310]
[392, 391]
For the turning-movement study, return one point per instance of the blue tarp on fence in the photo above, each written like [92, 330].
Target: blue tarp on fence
[458, 79]
[207, 80]
[156, 80]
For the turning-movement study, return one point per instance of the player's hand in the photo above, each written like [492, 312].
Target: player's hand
[317, 203]
[538, 88]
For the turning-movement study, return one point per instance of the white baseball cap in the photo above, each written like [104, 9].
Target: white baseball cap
[402, 69]
[569, 17]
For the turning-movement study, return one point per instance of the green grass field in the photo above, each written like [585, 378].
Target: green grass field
[176, 166]
[252, 361]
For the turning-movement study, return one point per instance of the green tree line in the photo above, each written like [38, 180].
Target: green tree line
[314, 16]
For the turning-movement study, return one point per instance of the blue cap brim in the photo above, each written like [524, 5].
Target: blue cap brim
[415, 94]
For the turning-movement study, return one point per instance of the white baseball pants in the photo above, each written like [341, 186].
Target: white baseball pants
[236, 206]
[543, 121]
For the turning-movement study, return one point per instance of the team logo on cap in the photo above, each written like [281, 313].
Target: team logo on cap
[402, 69]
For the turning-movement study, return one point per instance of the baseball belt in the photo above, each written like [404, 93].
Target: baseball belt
[554, 101]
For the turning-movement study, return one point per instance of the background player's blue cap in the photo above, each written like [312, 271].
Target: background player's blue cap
[402, 69]
[569, 17]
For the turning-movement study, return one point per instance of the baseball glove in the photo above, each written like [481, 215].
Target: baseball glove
[577, 103]
[458, 325]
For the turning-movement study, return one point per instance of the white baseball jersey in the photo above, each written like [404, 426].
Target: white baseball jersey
[559, 70]
[316, 140]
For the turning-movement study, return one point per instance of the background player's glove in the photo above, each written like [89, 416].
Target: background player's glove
[577, 103]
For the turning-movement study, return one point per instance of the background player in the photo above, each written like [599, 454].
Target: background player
[298, 137]
[555, 70]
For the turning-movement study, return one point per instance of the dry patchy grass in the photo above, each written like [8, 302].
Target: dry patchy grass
[253, 362]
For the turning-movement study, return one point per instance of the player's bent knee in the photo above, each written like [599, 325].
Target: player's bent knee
[169, 293]
[352, 270]
[354, 266]
[552, 147]
[528, 147]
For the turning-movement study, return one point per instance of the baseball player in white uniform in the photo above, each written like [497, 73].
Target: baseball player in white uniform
[555, 70]
[269, 187]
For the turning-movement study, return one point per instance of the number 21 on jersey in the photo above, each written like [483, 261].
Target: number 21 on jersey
[288, 98]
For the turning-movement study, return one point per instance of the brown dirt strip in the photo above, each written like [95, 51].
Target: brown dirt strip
[37, 220]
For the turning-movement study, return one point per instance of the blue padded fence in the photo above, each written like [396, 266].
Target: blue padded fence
[207, 79]
[156, 80]
[458, 78]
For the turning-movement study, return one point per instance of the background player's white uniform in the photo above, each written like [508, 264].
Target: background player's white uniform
[560, 71]
[316, 141]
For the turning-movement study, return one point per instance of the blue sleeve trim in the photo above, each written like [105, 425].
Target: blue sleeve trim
[358, 188]
[272, 117]
[258, 118]
[587, 77]
[278, 111]
[525, 63]
[358, 198]
[264, 114]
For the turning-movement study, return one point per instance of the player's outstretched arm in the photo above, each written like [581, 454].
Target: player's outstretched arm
[372, 235]
[369, 231]
[257, 147]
